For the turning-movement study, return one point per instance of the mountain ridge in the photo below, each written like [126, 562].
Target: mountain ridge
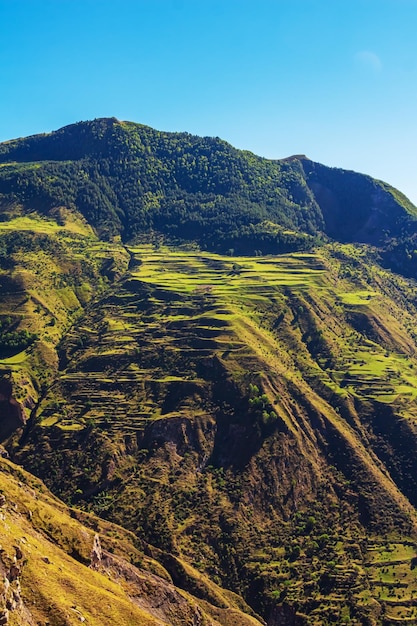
[129, 179]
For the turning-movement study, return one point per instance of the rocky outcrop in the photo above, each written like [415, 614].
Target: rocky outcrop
[285, 615]
[10, 571]
[96, 553]
[12, 416]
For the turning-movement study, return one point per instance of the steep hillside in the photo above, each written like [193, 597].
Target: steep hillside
[255, 420]
[127, 179]
[60, 566]
[49, 272]
[356, 207]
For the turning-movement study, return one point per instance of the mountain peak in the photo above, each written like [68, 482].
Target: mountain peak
[295, 157]
[128, 179]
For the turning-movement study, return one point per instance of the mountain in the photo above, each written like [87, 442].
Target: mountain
[127, 179]
[239, 429]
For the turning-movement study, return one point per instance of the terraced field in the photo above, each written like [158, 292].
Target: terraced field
[49, 271]
[197, 383]
[144, 339]
[391, 569]
[147, 339]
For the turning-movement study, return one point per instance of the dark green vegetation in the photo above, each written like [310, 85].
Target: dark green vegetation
[13, 341]
[248, 421]
[128, 179]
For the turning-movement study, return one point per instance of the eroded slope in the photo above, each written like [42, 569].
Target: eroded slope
[60, 566]
[254, 417]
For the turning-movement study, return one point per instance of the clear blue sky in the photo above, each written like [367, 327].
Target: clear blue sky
[333, 79]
